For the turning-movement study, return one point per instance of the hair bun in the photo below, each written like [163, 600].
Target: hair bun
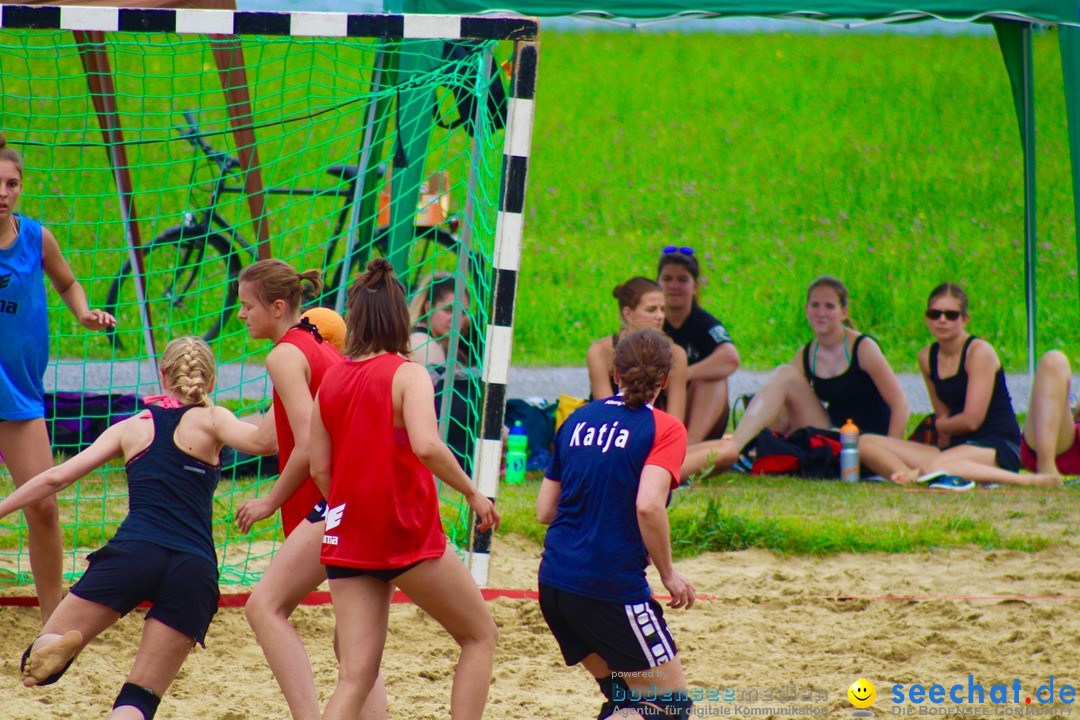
[617, 291]
[3, 140]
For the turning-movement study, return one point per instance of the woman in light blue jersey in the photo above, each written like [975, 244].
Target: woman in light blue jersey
[27, 250]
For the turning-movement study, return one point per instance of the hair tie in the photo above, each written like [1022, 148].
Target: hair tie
[305, 324]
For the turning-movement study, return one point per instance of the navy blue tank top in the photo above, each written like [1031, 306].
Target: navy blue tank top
[1000, 420]
[850, 395]
[170, 493]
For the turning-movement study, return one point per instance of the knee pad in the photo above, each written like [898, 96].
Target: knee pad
[660, 709]
[141, 698]
[52, 678]
[610, 684]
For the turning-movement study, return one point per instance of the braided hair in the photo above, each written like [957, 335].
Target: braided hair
[189, 369]
[643, 360]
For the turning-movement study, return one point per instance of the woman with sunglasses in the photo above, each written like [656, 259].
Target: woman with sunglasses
[978, 437]
[839, 375]
[710, 352]
[641, 307]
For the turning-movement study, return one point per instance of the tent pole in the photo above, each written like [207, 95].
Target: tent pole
[1015, 39]
[1028, 132]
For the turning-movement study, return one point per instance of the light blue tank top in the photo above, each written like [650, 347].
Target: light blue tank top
[24, 325]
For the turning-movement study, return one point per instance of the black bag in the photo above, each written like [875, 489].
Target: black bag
[807, 452]
[463, 53]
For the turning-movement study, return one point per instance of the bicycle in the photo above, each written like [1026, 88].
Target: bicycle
[191, 270]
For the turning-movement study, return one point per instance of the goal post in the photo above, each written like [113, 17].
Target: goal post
[168, 148]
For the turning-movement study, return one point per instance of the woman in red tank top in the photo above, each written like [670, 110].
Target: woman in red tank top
[270, 297]
[374, 444]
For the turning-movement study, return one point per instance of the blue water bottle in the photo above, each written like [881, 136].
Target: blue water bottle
[517, 446]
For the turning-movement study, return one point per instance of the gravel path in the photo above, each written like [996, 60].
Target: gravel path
[250, 382]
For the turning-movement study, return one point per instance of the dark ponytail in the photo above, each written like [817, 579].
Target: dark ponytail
[378, 319]
[643, 360]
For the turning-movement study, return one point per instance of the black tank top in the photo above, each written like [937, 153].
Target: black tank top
[1000, 420]
[851, 394]
[170, 493]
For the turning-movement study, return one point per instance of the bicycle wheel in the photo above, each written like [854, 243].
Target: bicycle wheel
[433, 248]
[191, 285]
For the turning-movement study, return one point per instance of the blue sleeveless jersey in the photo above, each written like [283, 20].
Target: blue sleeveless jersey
[24, 325]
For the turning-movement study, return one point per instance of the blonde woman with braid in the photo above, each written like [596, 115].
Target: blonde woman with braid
[163, 551]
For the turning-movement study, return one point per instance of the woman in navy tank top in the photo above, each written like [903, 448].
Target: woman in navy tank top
[27, 251]
[978, 436]
[839, 375]
[641, 307]
[163, 551]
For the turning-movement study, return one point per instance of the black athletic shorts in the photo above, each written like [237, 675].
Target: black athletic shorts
[1006, 453]
[318, 513]
[182, 586]
[387, 575]
[630, 638]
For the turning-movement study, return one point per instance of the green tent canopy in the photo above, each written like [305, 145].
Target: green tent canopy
[1013, 21]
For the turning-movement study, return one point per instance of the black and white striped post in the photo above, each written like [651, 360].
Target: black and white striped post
[507, 261]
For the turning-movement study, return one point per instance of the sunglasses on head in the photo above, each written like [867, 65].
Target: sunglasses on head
[676, 249]
[949, 314]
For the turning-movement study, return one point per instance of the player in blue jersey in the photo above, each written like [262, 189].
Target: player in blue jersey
[163, 551]
[605, 496]
[27, 250]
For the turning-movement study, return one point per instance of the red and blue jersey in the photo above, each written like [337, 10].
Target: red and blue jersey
[594, 546]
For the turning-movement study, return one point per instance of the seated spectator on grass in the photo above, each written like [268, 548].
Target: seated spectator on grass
[710, 352]
[641, 307]
[1050, 443]
[978, 437]
[839, 375]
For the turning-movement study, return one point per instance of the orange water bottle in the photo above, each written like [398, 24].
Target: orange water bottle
[849, 452]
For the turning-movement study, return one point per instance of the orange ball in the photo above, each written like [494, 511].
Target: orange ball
[331, 325]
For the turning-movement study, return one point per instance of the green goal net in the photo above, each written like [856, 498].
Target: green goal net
[165, 161]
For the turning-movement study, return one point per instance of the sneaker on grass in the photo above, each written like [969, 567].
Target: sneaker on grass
[951, 482]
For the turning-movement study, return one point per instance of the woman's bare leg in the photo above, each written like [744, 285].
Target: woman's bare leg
[27, 452]
[902, 461]
[161, 654]
[74, 624]
[1049, 429]
[706, 409]
[361, 611]
[784, 402]
[444, 590]
[979, 464]
[294, 573]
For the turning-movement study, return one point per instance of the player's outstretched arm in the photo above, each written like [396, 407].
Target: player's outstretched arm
[242, 436]
[58, 477]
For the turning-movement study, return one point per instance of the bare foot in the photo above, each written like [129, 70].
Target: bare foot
[905, 477]
[713, 456]
[51, 657]
[1046, 480]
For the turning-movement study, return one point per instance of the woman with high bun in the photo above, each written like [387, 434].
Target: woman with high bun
[605, 498]
[163, 551]
[374, 448]
[270, 304]
[641, 306]
[27, 252]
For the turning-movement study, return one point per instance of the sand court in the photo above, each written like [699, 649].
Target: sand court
[769, 624]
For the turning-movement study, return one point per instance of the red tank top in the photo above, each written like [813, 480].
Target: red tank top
[383, 508]
[321, 356]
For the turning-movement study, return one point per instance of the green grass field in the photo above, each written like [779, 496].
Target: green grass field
[891, 162]
[822, 518]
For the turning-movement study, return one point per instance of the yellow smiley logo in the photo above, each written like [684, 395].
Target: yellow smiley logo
[862, 693]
